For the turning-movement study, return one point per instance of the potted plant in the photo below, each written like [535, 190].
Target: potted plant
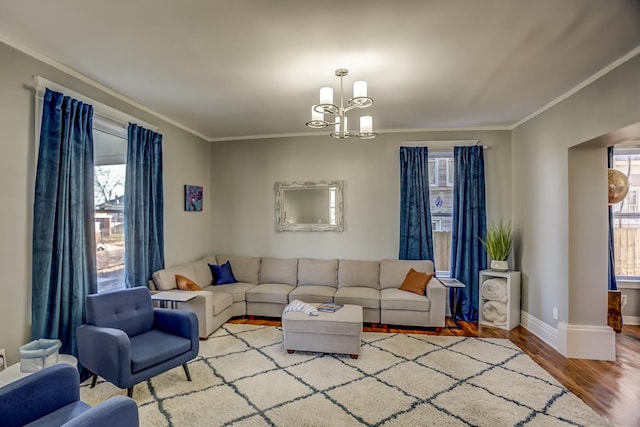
[497, 243]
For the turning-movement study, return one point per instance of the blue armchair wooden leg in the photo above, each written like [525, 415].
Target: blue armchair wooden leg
[93, 380]
[130, 392]
[186, 371]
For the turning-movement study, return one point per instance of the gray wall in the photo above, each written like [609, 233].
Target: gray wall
[186, 161]
[244, 173]
[543, 206]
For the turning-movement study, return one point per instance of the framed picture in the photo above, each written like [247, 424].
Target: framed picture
[192, 198]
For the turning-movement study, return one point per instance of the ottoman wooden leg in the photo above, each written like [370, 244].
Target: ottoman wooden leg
[290, 351]
[354, 356]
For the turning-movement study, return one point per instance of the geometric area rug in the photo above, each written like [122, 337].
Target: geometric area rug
[244, 377]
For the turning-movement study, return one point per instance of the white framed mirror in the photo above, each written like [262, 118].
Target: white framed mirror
[309, 206]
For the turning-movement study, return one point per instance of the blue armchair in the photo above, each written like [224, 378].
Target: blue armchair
[126, 340]
[51, 397]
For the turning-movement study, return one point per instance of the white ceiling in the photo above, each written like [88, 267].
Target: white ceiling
[245, 68]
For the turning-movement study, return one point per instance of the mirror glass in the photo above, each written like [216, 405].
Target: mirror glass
[309, 206]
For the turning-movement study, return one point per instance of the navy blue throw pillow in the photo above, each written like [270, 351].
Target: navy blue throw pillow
[222, 274]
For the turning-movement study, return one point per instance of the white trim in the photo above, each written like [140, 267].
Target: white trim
[635, 51]
[537, 327]
[70, 71]
[586, 342]
[628, 283]
[630, 320]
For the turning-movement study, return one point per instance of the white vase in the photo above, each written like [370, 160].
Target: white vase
[499, 265]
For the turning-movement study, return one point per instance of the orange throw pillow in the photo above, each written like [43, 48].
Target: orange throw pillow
[416, 282]
[186, 284]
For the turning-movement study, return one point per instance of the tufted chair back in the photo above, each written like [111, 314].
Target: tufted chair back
[130, 310]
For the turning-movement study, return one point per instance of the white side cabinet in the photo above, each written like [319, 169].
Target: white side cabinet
[513, 298]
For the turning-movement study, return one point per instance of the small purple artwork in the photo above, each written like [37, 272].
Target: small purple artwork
[192, 198]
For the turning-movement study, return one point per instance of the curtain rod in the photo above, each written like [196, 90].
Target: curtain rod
[441, 143]
[109, 114]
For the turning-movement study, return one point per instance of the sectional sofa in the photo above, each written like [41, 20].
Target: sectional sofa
[266, 285]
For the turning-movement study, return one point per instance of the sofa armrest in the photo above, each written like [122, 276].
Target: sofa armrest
[437, 294]
[38, 394]
[106, 348]
[182, 323]
[202, 306]
[118, 411]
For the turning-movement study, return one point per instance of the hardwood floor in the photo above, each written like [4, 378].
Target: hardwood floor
[612, 389]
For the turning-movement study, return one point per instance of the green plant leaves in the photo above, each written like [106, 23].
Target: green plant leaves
[498, 241]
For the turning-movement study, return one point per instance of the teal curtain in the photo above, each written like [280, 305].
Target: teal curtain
[468, 256]
[64, 264]
[143, 206]
[613, 284]
[416, 241]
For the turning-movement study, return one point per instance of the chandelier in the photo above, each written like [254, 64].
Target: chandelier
[339, 113]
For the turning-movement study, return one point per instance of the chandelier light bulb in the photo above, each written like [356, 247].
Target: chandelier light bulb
[359, 89]
[366, 124]
[326, 95]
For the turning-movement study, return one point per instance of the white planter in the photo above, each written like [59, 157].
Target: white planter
[499, 265]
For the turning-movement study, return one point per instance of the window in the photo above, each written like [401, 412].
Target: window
[110, 150]
[441, 205]
[626, 218]
[433, 173]
[450, 172]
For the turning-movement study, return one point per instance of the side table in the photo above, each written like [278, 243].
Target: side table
[455, 284]
[13, 373]
[170, 299]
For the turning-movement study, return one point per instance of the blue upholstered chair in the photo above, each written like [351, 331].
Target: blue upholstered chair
[126, 340]
[51, 397]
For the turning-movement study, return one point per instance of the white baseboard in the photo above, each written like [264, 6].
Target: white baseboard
[586, 342]
[631, 320]
[537, 327]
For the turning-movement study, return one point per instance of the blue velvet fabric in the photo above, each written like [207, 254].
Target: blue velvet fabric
[222, 274]
[613, 283]
[143, 207]
[125, 360]
[128, 310]
[64, 265]
[416, 241]
[51, 397]
[154, 347]
[468, 256]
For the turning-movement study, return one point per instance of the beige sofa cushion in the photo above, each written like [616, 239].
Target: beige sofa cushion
[165, 279]
[279, 270]
[312, 293]
[322, 272]
[395, 299]
[362, 296]
[393, 271]
[359, 273]
[202, 271]
[244, 269]
[269, 292]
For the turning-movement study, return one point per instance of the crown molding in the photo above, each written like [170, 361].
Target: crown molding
[76, 74]
[615, 64]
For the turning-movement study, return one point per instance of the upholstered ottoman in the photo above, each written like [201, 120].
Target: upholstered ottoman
[337, 332]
